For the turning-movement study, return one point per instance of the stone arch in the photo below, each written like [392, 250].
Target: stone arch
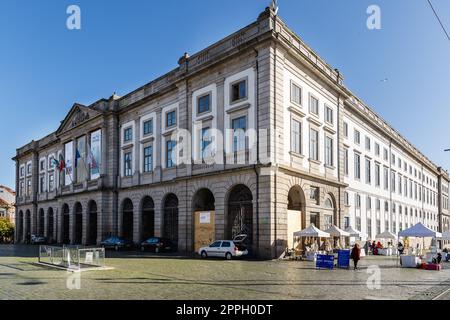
[170, 217]
[50, 225]
[127, 218]
[77, 223]
[41, 223]
[239, 217]
[147, 218]
[65, 223]
[296, 213]
[92, 223]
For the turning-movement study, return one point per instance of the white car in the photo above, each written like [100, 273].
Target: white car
[222, 248]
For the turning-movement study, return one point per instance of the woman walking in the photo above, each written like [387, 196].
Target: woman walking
[356, 255]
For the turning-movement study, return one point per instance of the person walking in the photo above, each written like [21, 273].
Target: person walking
[356, 256]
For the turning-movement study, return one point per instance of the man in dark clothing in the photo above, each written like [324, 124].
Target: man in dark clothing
[356, 256]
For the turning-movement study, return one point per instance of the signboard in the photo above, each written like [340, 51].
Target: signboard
[205, 217]
[325, 261]
[343, 259]
[89, 257]
[96, 154]
[68, 156]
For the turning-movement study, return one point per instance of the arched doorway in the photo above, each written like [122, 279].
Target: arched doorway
[20, 231]
[27, 226]
[204, 218]
[127, 219]
[65, 224]
[92, 224]
[296, 214]
[170, 226]
[240, 214]
[41, 222]
[78, 213]
[148, 218]
[50, 225]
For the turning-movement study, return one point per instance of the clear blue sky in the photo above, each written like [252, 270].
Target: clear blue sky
[45, 68]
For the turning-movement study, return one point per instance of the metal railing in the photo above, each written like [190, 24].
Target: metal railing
[72, 257]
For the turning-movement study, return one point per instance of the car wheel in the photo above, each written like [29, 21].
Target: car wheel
[228, 256]
[116, 247]
[204, 254]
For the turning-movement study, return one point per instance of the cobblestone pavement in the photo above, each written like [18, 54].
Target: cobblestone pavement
[137, 276]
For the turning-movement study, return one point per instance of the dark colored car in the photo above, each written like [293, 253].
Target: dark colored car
[117, 243]
[35, 239]
[156, 244]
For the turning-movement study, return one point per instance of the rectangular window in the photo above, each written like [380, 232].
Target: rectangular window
[204, 104]
[170, 146]
[369, 227]
[296, 137]
[377, 175]
[205, 142]
[21, 189]
[345, 129]
[171, 119]
[328, 151]
[127, 161]
[148, 159]
[378, 205]
[358, 201]
[296, 94]
[313, 144]
[127, 134]
[28, 168]
[51, 182]
[239, 91]
[51, 162]
[385, 154]
[357, 137]
[400, 184]
[148, 127]
[329, 115]
[393, 181]
[239, 126]
[42, 184]
[378, 226]
[28, 187]
[328, 221]
[358, 223]
[346, 161]
[313, 105]
[357, 166]
[393, 159]
[42, 165]
[368, 146]
[346, 199]
[315, 195]
[386, 178]
[377, 149]
[368, 172]
[346, 222]
[369, 203]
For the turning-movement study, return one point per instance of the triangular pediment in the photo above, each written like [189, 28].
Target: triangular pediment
[77, 116]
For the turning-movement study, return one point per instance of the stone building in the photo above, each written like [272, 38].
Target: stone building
[7, 200]
[266, 118]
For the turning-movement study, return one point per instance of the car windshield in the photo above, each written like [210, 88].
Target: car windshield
[152, 240]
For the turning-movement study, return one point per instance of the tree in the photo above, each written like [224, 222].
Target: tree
[6, 230]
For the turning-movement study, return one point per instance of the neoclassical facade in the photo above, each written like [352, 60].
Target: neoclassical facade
[253, 135]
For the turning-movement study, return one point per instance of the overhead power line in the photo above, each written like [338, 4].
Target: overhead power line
[439, 19]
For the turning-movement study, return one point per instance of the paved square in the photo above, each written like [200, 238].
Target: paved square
[144, 276]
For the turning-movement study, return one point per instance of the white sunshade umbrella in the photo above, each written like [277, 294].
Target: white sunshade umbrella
[353, 232]
[336, 232]
[312, 231]
[386, 235]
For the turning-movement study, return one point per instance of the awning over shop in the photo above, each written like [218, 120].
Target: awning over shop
[353, 232]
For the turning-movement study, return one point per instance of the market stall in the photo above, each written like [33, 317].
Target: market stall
[389, 249]
[311, 235]
[337, 234]
[419, 258]
[357, 235]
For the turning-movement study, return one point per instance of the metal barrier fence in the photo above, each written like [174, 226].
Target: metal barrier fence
[72, 257]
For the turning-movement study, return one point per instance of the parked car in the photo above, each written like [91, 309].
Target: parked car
[35, 239]
[117, 243]
[157, 244]
[223, 248]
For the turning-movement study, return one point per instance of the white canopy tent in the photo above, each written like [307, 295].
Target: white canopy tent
[336, 232]
[312, 232]
[353, 232]
[386, 235]
[445, 236]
